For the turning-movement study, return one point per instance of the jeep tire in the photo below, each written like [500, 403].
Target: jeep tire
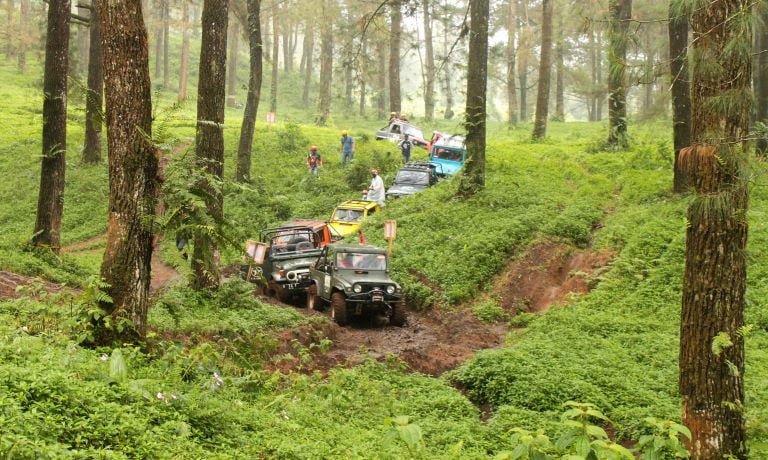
[312, 300]
[339, 308]
[398, 316]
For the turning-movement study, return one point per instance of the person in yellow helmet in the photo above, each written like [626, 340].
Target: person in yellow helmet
[347, 148]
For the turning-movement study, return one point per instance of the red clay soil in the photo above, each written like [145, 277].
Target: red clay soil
[547, 274]
[10, 281]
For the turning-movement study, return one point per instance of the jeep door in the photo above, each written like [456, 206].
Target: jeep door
[321, 274]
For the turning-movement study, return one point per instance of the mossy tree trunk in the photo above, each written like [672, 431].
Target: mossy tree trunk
[711, 330]
[95, 96]
[545, 72]
[50, 202]
[245, 147]
[681, 97]
[620, 12]
[185, 38]
[234, 44]
[211, 95]
[326, 65]
[511, 63]
[133, 170]
[275, 65]
[472, 178]
[761, 79]
[429, 64]
[396, 19]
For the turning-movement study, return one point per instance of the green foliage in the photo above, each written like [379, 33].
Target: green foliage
[489, 311]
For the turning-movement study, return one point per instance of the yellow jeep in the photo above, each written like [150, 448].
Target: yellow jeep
[348, 216]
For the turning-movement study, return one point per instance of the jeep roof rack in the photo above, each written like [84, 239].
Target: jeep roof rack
[362, 203]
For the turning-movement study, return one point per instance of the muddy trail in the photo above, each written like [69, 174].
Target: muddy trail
[440, 339]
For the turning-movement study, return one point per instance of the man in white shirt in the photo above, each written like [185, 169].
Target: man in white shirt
[376, 190]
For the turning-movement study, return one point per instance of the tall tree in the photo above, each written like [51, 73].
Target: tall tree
[9, 32]
[245, 147]
[429, 65]
[620, 12]
[209, 141]
[681, 97]
[275, 66]
[381, 81]
[287, 56]
[166, 41]
[473, 178]
[545, 72]
[761, 77]
[23, 36]
[309, 48]
[511, 57]
[94, 99]
[711, 329]
[50, 202]
[133, 170]
[159, 16]
[560, 71]
[396, 19]
[326, 65]
[184, 66]
[524, 48]
[234, 44]
[447, 76]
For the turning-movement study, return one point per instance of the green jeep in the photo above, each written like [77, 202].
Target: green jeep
[354, 280]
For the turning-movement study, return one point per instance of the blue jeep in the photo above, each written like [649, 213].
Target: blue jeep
[450, 153]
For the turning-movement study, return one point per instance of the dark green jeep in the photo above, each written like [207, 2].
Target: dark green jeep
[354, 280]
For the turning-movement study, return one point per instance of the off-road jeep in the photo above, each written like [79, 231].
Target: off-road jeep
[292, 249]
[353, 279]
[414, 177]
[449, 152]
[396, 130]
[348, 216]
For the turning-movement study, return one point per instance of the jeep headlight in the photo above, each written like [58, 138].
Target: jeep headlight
[390, 289]
[357, 288]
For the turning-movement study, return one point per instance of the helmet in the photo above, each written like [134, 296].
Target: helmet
[374, 171]
[392, 114]
[313, 148]
[344, 133]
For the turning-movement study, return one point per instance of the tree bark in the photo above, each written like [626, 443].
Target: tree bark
[184, 67]
[361, 77]
[133, 170]
[50, 203]
[9, 50]
[396, 18]
[234, 43]
[94, 99]
[711, 330]
[159, 8]
[166, 33]
[309, 48]
[243, 173]
[447, 77]
[761, 78]
[473, 177]
[275, 65]
[381, 74]
[210, 133]
[545, 72]
[326, 66]
[681, 97]
[620, 12]
[593, 64]
[23, 36]
[560, 71]
[429, 81]
[287, 57]
[511, 58]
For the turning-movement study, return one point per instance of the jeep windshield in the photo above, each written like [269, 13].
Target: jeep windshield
[412, 177]
[293, 241]
[348, 215]
[446, 154]
[355, 261]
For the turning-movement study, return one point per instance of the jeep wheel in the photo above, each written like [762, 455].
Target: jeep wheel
[398, 316]
[312, 297]
[276, 291]
[339, 308]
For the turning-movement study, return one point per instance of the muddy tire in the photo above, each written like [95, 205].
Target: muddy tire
[399, 316]
[273, 290]
[339, 308]
[312, 300]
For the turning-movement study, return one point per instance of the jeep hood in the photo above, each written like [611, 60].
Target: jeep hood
[295, 263]
[343, 229]
[448, 167]
[405, 189]
[349, 277]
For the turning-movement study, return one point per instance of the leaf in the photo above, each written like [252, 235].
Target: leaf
[582, 446]
[597, 432]
[411, 435]
[118, 370]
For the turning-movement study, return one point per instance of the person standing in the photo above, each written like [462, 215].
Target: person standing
[314, 160]
[376, 190]
[405, 148]
[347, 148]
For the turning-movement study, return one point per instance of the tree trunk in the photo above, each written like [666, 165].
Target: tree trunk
[275, 65]
[396, 18]
[560, 69]
[381, 98]
[429, 81]
[159, 8]
[361, 77]
[511, 58]
[309, 48]
[326, 66]
[94, 97]
[210, 133]
[473, 177]
[50, 203]
[711, 330]
[80, 59]
[681, 97]
[593, 68]
[245, 147]
[234, 43]
[9, 32]
[166, 33]
[447, 77]
[23, 36]
[545, 72]
[600, 98]
[267, 35]
[620, 11]
[761, 78]
[287, 57]
[184, 68]
[133, 170]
